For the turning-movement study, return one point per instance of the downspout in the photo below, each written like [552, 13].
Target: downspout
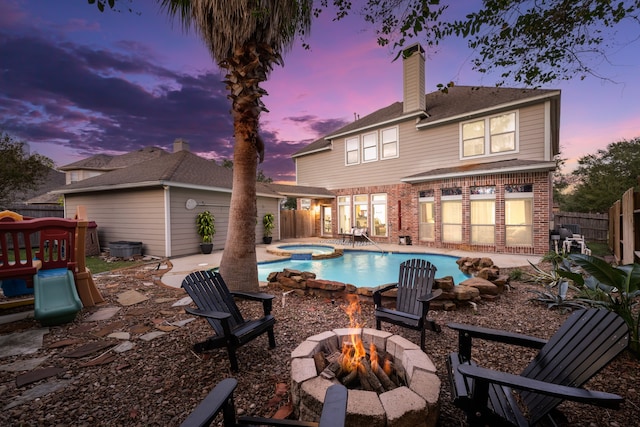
[167, 221]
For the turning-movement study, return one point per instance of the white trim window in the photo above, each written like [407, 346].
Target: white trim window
[389, 138]
[370, 147]
[344, 214]
[361, 210]
[379, 210]
[427, 222]
[482, 202]
[451, 206]
[489, 136]
[518, 215]
[352, 150]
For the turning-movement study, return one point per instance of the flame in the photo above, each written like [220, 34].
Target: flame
[353, 350]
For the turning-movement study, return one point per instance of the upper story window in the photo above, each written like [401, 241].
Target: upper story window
[370, 147]
[490, 135]
[352, 150]
[389, 143]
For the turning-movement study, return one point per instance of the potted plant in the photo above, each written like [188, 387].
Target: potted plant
[206, 230]
[268, 223]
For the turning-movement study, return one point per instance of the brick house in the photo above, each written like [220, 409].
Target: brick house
[468, 169]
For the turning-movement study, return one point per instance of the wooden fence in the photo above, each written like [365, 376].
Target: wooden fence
[624, 235]
[296, 224]
[594, 227]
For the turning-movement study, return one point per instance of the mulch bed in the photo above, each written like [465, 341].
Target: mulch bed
[160, 381]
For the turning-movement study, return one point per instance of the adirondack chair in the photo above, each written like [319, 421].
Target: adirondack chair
[220, 400]
[216, 303]
[414, 296]
[584, 344]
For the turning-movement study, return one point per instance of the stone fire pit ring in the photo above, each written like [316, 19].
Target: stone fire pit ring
[416, 404]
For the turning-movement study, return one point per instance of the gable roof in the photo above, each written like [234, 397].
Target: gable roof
[459, 103]
[302, 191]
[501, 166]
[107, 162]
[181, 169]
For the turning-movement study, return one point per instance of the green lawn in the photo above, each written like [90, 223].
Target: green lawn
[99, 265]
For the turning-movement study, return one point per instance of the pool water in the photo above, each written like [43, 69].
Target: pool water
[363, 268]
[313, 249]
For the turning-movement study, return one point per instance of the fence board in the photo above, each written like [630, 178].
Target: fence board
[296, 224]
[593, 226]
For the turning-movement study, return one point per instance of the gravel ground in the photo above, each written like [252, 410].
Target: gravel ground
[160, 382]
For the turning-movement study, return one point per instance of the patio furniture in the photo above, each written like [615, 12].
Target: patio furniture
[586, 342]
[220, 400]
[414, 295]
[574, 240]
[216, 303]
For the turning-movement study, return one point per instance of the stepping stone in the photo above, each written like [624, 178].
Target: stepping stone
[36, 392]
[23, 365]
[139, 329]
[64, 343]
[103, 359]
[181, 323]
[167, 328]
[152, 335]
[131, 297]
[182, 302]
[87, 349]
[37, 375]
[110, 328]
[103, 314]
[27, 342]
[125, 346]
[120, 335]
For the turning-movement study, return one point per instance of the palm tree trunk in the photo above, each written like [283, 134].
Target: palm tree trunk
[238, 265]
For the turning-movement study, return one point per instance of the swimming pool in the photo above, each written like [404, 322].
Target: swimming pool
[363, 268]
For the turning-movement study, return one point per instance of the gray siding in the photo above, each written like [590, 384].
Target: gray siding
[136, 216]
[184, 238]
[419, 151]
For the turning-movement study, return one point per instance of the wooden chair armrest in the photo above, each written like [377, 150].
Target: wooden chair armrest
[429, 297]
[377, 294]
[261, 421]
[334, 412]
[483, 377]
[266, 299]
[253, 296]
[218, 315]
[218, 399]
[467, 332]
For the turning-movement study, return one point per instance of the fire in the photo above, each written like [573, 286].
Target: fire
[353, 351]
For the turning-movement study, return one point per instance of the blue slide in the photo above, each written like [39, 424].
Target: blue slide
[56, 298]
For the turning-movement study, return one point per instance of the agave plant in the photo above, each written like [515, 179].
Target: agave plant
[614, 288]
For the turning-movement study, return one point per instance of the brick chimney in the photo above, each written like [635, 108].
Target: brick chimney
[413, 75]
[180, 145]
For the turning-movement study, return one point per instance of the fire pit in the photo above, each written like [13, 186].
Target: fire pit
[415, 402]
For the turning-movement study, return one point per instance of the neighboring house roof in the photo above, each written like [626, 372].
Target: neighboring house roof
[502, 166]
[106, 162]
[181, 169]
[459, 103]
[296, 191]
[53, 180]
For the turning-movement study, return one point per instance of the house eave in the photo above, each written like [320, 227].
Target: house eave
[514, 169]
[378, 124]
[484, 111]
[327, 148]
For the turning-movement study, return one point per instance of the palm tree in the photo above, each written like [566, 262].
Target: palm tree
[246, 38]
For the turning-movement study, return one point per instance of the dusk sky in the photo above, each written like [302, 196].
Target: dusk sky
[76, 82]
